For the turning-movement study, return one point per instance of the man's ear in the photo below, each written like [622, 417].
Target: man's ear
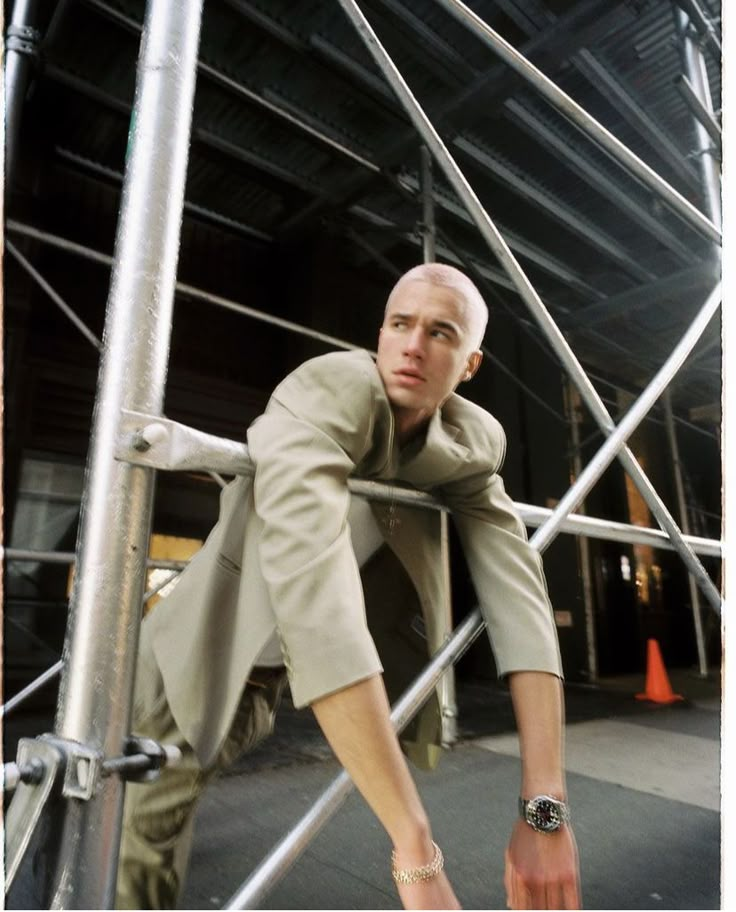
[471, 368]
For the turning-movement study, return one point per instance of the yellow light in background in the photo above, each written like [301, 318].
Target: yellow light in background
[167, 547]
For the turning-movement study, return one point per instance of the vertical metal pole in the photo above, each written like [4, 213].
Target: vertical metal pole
[685, 526]
[582, 540]
[447, 696]
[105, 609]
[429, 233]
[20, 50]
[693, 63]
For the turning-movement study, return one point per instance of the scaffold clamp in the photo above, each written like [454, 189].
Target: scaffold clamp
[157, 755]
[29, 799]
[159, 443]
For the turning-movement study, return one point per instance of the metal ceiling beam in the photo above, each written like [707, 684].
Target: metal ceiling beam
[532, 252]
[685, 281]
[262, 100]
[281, 175]
[369, 80]
[560, 38]
[622, 99]
[496, 276]
[693, 64]
[253, 160]
[582, 24]
[82, 163]
[584, 167]
[583, 120]
[527, 187]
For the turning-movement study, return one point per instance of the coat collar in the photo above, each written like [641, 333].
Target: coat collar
[436, 458]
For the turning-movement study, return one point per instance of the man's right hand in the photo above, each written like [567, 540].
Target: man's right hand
[542, 869]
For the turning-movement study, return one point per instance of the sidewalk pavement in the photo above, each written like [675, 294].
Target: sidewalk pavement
[643, 780]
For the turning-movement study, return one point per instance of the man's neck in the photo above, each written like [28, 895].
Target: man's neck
[409, 424]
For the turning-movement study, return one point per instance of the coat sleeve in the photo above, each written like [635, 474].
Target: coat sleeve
[507, 573]
[316, 428]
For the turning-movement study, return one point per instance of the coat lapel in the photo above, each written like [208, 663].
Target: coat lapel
[437, 459]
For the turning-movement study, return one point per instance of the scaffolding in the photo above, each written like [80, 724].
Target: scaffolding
[77, 774]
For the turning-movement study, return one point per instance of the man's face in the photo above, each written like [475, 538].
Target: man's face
[425, 348]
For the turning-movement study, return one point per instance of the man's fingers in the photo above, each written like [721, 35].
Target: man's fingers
[571, 896]
[521, 895]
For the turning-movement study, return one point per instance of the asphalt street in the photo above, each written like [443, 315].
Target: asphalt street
[643, 780]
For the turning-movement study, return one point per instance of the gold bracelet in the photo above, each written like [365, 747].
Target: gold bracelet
[418, 875]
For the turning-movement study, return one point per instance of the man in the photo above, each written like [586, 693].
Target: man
[282, 560]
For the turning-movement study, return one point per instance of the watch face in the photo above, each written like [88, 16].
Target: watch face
[544, 815]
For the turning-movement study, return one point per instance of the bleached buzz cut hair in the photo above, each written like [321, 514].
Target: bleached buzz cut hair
[450, 277]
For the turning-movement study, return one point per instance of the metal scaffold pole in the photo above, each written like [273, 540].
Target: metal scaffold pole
[93, 713]
[695, 73]
[695, 77]
[685, 526]
[21, 49]
[573, 410]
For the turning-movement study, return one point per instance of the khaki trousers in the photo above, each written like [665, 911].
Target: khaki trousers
[158, 816]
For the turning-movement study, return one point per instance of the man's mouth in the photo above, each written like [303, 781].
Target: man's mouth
[408, 376]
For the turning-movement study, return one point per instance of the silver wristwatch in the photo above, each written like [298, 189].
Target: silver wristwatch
[544, 813]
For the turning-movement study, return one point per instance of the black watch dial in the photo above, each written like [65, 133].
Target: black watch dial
[545, 815]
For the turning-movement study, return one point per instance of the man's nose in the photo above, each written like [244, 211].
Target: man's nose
[414, 343]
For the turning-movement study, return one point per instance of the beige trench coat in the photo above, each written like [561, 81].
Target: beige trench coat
[280, 557]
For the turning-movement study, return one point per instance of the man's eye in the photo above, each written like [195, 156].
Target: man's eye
[440, 334]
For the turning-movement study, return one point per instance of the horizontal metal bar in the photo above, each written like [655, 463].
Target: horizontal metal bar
[69, 557]
[181, 287]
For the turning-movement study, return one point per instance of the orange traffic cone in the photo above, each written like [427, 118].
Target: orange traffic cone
[657, 687]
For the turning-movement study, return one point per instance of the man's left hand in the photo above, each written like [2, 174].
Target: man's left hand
[542, 870]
